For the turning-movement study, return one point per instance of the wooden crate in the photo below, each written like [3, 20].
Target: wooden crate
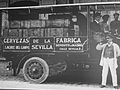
[35, 23]
[14, 32]
[78, 1]
[65, 32]
[5, 32]
[14, 24]
[113, 0]
[25, 33]
[3, 4]
[62, 1]
[88, 1]
[48, 2]
[56, 32]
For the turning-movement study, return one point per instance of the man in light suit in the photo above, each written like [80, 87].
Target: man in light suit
[110, 53]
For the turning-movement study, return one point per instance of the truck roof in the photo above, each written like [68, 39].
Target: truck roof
[62, 5]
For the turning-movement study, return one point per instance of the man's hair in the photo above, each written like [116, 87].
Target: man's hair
[116, 14]
[105, 17]
[97, 14]
[110, 36]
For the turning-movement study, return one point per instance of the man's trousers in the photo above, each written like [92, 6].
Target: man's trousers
[109, 63]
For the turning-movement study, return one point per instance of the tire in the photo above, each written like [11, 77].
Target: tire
[35, 70]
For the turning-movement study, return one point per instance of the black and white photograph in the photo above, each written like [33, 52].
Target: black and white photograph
[60, 44]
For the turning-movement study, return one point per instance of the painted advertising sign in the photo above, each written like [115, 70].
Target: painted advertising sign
[16, 44]
[49, 44]
[41, 44]
[70, 43]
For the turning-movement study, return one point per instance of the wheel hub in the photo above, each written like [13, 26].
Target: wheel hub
[35, 70]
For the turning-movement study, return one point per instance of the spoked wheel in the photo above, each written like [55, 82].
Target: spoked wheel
[35, 70]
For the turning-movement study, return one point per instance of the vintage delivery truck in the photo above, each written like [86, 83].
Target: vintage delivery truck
[46, 41]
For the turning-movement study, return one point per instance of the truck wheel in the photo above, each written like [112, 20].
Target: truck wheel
[35, 70]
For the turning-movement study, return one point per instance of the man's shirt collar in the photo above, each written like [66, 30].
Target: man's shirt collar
[109, 44]
[96, 21]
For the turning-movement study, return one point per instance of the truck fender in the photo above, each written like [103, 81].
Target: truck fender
[24, 59]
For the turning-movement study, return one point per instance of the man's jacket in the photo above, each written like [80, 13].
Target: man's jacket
[116, 53]
[95, 27]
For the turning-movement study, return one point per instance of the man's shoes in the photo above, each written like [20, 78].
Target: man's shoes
[102, 86]
[116, 87]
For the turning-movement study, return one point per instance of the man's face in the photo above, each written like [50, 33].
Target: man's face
[74, 18]
[98, 18]
[116, 17]
[109, 39]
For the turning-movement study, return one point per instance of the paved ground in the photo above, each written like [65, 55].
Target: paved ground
[7, 81]
[61, 86]
[18, 82]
